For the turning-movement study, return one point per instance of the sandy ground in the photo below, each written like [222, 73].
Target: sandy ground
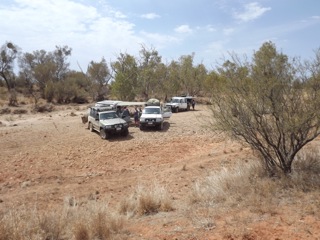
[46, 158]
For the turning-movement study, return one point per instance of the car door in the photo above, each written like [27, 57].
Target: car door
[95, 118]
[166, 111]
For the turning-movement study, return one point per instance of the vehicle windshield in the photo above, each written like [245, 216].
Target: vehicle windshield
[152, 110]
[175, 100]
[108, 115]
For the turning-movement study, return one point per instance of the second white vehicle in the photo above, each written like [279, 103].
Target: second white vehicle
[154, 116]
[178, 104]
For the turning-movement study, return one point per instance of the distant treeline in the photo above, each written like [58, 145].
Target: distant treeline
[47, 75]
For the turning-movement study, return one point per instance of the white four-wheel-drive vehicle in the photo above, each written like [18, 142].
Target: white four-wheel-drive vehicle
[154, 116]
[107, 123]
[180, 103]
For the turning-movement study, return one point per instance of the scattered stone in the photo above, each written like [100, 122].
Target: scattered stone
[25, 184]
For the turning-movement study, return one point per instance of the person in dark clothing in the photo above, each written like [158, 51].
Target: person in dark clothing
[125, 112]
[119, 111]
[136, 116]
[193, 103]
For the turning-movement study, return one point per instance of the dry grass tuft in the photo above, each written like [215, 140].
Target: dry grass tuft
[20, 111]
[96, 221]
[184, 167]
[43, 108]
[99, 226]
[52, 225]
[146, 201]
[81, 232]
[79, 223]
[247, 186]
[5, 111]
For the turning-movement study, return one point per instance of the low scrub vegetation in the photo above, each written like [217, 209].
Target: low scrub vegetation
[88, 221]
[248, 187]
[243, 188]
[94, 221]
[146, 201]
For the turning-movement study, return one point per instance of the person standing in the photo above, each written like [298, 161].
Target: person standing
[193, 103]
[140, 112]
[125, 112]
[136, 116]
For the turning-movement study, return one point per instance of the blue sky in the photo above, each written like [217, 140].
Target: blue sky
[209, 28]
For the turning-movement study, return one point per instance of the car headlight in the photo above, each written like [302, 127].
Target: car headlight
[159, 119]
[108, 126]
[142, 119]
[125, 124]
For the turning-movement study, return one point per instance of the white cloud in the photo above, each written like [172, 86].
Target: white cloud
[183, 29]
[150, 16]
[92, 32]
[216, 46]
[210, 28]
[252, 11]
[159, 40]
[228, 31]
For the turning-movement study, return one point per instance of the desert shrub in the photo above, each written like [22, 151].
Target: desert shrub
[99, 226]
[250, 187]
[261, 104]
[5, 111]
[97, 221]
[306, 174]
[66, 91]
[43, 108]
[91, 221]
[3, 92]
[21, 223]
[80, 96]
[146, 201]
[52, 225]
[13, 98]
[20, 111]
[81, 232]
[49, 92]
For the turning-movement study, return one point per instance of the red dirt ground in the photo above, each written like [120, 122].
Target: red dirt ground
[47, 157]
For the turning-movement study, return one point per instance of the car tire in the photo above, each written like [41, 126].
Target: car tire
[141, 127]
[160, 127]
[104, 134]
[125, 133]
[90, 127]
[177, 110]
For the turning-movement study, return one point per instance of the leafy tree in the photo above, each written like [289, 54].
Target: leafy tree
[186, 72]
[150, 70]
[45, 68]
[172, 85]
[8, 54]
[71, 89]
[212, 81]
[125, 83]
[161, 92]
[83, 86]
[197, 85]
[26, 75]
[59, 57]
[260, 105]
[99, 75]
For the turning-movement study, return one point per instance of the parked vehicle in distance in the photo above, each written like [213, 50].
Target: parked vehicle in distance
[107, 123]
[154, 116]
[180, 103]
